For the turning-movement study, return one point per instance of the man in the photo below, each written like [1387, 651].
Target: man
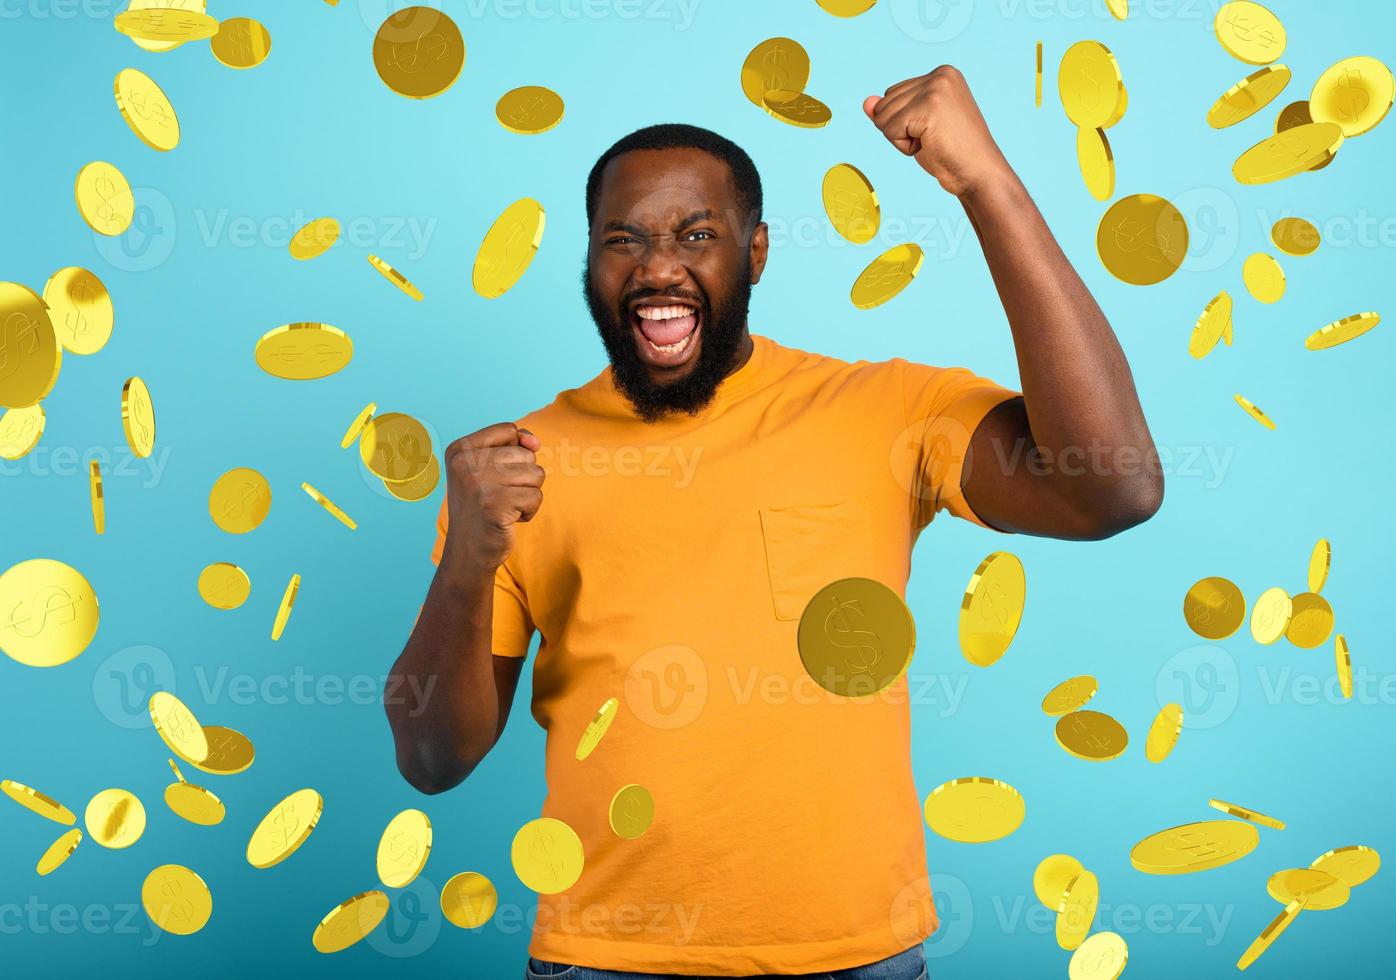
[699, 491]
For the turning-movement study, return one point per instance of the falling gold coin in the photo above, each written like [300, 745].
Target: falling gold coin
[50, 613]
[547, 855]
[20, 430]
[356, 427]
[59, 851]
[241, 42]
[419, 487]
[288, 602]
[992, 608]
[1211, 326]
[1248, 96]
[1092, 735]
[856, 637]
[529, 110]
[777, 63]
[1164, 732]
[314, 239]
[196, 6]
[1250, 32]
[1270, 615]
[597, 728]
[194, 803]
[1288, 153]
[1319, 891]
[508, 248]
[1101, 957]
[240, 500]
[1076, 911]
[846, 8]
[1356, 93]
[1269, 934]
[165, 24]
[1097, 162]
[80, 309]
[403, 848]
[1142, 239]
[418, 52]
[1264, 278]
[224, 585]
[1246, 814]
[229, 752]
[1354, 864]
[1037, 79]
[350, 921]
[1320, 560]
[32, 354]
[104, 198]
[99, 501]
[631, 811]
[887, 275]
[469, 900]
[851, 203]
[304, 351]
[1340, 332]
[395, 277]
[796, 108]
[330, 506]
[1069, 695]
[1295, 236]
[1194, 847]
[177, 726]
[40, 803]
[115, 818]
[1089, 84]
[1053, 874]
[1251, 409]
[138, 417]
[1343, 656]
[1310, 622]
[974, 810]
[176, 899]
[285, 828]
[395, 447]
[146, 109]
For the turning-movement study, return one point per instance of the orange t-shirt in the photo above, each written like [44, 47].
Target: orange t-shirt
[668, 567]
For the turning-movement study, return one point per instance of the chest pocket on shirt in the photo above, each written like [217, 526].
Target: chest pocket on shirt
[810, 545]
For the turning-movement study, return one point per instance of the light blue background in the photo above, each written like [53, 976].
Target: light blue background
[313, 131]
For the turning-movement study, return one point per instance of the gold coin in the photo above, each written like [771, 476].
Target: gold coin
[330, 506]
[856, 637]
[395, 277]
[356, 427]
[40, 803]
[1089, 84]
[1119, 9]
[887, 275]
[1142, 239]
[597, 728]
[1356, 93]
[1319, 562]
[1354, 864]
[1264, 278]
[1269, 934]
[1343, 656]
[283, 611]
[974, 810]
[992, 608]
[1310, 622]
[1288, 153]
[469, 900]
[1318, 891]
[80, 309]
[1053, 874]
[1213, 607]
[796, 108]
[176, 899]
[1076, 911]
[631, 811]
[285, 828]
[1101, 957]
[240, 500]
[165, 24]
[1251, 409]
[146, 109]
[241, 42]
[197, 6]
[547, 855]
[1037, 81]
[777, 63]
[403, 848]
[1246, 814]
[1069, 695]
[224, 585]
[30, 355]
[304, 351]
[229, 752]
[177, 726]
[104, 198]
[851, 203]
[99, 501]
[1248, 96]
[1164, 732]
[115, 818]
[1211, 325]
[20, 429]
[846, 8]
[1340, 332]
[1250, 32]
[1270, 615]
[48, 613]
[418, 52]
[138, 417]
[314, 239]
[1297, 114]
[350, 921]
[508, 248]
[529, 110]
[1194, 847]
[195, 804]
[1092, 735]
[395, 447]
[1121, 106]
[59, 851]
[418, 488]
[1096, 161]
[1295, 236]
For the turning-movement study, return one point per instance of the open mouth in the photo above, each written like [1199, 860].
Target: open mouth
[666, 332]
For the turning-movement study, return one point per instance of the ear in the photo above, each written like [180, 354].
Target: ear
[760, 247]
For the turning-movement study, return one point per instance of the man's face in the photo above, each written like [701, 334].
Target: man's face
[670, 266]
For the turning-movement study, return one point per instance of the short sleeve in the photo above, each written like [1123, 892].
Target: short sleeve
[511, 624]
[943, 407]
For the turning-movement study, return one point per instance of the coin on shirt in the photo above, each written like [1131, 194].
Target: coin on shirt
[547, 855]
[631, 811]
[856, 636]
[597, 728]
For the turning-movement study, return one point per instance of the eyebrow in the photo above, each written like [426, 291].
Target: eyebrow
[617, 225]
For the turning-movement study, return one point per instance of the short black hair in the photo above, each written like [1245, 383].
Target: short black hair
[680, 136]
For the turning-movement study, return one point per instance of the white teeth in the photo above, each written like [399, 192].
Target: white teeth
[663, 312]
[673, 348]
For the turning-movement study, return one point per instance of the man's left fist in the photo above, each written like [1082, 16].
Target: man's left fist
[934, 118]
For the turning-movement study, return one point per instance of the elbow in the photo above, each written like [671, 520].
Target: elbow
[1129, 504]
[431, 776]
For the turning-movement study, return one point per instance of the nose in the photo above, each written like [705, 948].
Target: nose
[659, 266]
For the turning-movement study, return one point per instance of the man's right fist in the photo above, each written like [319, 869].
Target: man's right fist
[493, 480]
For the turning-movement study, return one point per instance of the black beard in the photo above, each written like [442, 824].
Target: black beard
[723, 326]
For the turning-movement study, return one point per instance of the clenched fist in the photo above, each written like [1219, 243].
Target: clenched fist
[493, 481]
[935, 119]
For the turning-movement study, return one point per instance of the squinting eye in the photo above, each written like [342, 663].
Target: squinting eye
[695, 234]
